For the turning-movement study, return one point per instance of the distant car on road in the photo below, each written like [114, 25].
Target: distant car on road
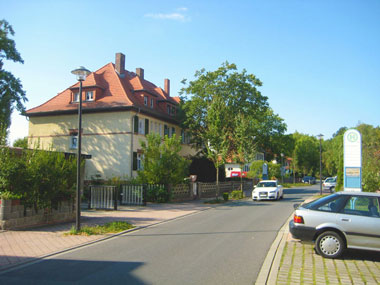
[339, 221]
[308, 179]
[267, 190]
[329, 184]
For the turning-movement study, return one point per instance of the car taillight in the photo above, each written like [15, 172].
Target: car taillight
[298, 219]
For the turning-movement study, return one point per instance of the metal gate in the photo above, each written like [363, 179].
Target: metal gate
[103, 197]
[132, 194]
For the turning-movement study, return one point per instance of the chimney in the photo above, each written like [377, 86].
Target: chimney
[167, 86]
[140, 72]
[120, 63]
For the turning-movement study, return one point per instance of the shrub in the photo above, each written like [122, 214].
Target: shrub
[225, 196]
[236, 194]
[158, 194]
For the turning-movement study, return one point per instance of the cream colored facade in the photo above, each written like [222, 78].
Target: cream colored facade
[108, 137]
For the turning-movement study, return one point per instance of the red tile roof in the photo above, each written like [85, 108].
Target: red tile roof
[117, 92]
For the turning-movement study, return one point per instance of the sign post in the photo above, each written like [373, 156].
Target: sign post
[352, 144]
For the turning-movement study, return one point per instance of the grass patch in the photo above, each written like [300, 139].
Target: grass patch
[291, 185]
[112, 227]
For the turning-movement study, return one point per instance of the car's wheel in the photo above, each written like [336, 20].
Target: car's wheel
[332, 189]
[330, 244]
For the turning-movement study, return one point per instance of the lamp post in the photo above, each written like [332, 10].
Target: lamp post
[81, 74]
[282, 170]
[320, 137]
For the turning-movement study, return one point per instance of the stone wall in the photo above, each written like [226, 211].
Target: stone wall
[14, 215]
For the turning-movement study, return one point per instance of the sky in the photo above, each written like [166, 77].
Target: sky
[319, 60]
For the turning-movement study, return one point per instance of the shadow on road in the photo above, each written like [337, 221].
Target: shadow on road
[74, 271]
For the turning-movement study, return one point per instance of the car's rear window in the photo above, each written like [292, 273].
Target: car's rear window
[316, 203]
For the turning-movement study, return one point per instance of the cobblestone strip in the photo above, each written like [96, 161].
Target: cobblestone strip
[345, 277]
[348, 269]
[374, 269]
[282, 276]
[366, 272]
[295, 278]
[308, 265]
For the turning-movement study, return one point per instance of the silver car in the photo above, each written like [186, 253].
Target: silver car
[339, 221]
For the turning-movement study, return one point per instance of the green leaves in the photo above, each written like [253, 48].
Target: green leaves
[11, 92]
[225, 111]
[162, 163]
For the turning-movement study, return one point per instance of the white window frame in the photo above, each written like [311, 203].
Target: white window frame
[76, 97]
[140, 159]
[151, 103]
[89, 95]
[141, 127]
[146, 100]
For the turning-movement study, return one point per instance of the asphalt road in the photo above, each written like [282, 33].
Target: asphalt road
[224, 245]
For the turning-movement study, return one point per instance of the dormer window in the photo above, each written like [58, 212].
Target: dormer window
[146, 100]
[173, 111]
[168, 109]
[90, 96]
[76, 97]
[151, 103]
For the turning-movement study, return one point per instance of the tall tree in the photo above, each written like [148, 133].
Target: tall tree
[11, 93]
[241, 99]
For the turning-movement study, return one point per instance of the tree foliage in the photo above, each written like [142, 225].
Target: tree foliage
[11, 93]
[39, 178]
[23, 143]
[305, 154]
[162, 163]
[224, 110]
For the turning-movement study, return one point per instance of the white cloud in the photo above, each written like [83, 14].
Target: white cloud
[184, 9]
[177, 16]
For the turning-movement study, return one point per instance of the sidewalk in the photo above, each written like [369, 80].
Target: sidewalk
[291, 262]
[22, 246]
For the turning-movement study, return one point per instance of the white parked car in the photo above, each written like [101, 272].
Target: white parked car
[329, 184]
[267, 190]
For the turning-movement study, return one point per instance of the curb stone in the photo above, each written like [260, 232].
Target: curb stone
[269, 269]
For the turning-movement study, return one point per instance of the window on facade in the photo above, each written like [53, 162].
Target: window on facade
[151, 103]
[145, 100]
[160, 130]
[139, 161]
[168, 109]
[173, 111]
[90, 96]
[76, 97]
[141, 127]
[74, 141]
[173, 131]
[166, 131]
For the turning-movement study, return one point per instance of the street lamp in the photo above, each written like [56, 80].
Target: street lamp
[320, 137]
[81, 74]
[282, 170]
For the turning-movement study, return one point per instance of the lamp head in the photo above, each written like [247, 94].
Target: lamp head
[320, 136]
[81, 73]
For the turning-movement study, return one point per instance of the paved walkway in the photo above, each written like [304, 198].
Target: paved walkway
[21, 246]
[291, 262]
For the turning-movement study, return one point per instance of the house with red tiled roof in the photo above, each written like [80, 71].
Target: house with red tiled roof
[119, 108]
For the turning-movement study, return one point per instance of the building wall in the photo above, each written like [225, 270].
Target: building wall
[107, 137]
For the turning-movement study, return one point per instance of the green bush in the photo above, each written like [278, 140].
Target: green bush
[225, 196]
[158, 194]
[236, 194]
[39, 178]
